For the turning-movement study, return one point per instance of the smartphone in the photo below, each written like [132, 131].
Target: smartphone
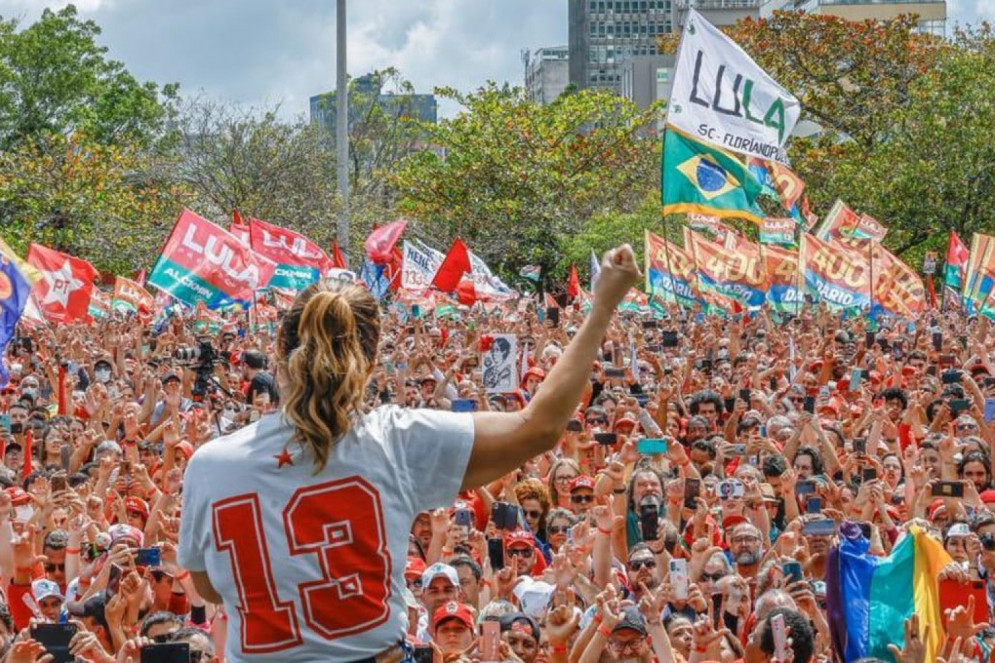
[574, 426]
[464, 517]
[813, 505]
[59, 482]
[649, 446]
[989, 411]
[869, 339]
[668, 339]
[948, 489]
[649, 521]
[716, 610]
[166, 652]
[553, 315]
[55, 639]
[780, 637]
[66, 458]
[423, 654]
[113, 580]
[937, 341]
[860, 445]
[148, 557]
[792, 572]
[868, 474]
[505, 516]
[490, 640]
[464, 405]
[865, 530]
[739, 449]
[679, 578]
[809, 404]
[959, 405]
[606, 438]
[746, 395]
[729, 404]
[950, 377]
[415, 311]
[692, 488]
[822, 527]
[614, 372]
[495, 553]
[856, 375]
[805, 487]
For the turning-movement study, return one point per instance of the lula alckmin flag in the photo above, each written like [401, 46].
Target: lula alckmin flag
[700, 179]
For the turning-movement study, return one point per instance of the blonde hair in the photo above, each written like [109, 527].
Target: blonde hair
[327, 344]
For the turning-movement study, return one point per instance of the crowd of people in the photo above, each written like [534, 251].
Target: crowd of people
[687, 512]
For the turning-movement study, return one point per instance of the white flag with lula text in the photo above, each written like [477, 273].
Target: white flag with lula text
[721, 96]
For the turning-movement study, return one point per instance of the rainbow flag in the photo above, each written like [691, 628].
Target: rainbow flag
[868, 598]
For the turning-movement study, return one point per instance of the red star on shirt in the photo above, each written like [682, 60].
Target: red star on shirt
[283, 458]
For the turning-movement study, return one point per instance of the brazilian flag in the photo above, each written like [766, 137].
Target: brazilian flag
[701, 179]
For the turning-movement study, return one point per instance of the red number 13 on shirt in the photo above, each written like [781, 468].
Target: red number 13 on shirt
[342, 523]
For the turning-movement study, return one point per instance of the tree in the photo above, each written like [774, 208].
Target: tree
[111, 204]
[253, 161]
[55, 78]
[515, 179]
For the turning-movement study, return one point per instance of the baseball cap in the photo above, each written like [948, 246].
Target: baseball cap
[625, 421]
[631, 619]
[519, 621]
[169, 377]
[137, 505]
[453, 610]
[731, 521]
[936, 507]
[93, 608]
[414, 567]
[439, 569]
[958, 529]
[519, 538]
[582, 481]
[17, 495]
[125, 533]
[43, 589]
[185, 448]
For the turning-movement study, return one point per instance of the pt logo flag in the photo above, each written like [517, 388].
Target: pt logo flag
[299, 261]
[204, 263]
[721, 96]
[700, 179]
[66, 285]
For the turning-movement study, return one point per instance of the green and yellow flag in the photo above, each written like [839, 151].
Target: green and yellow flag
[701, 179]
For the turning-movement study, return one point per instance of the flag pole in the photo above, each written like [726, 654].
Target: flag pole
[870, 267]
[666, 255]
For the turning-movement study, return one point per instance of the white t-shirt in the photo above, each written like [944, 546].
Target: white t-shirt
[320, 558]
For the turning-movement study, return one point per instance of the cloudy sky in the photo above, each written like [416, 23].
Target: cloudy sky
[267, 52]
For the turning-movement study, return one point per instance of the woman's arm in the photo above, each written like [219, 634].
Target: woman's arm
[503, 441]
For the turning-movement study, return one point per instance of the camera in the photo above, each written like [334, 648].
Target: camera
[204, 358]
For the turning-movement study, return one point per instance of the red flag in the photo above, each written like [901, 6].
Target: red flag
[63, 294]
[453, 267]
[381, 241]
[286, 247]
[393, 269]
[338, 260]
[26, 453]
[239, 228]
[466, 292]
[957, 254]
[573, 283]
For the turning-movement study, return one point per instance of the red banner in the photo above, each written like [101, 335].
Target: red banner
[64, 291]
[286, 247]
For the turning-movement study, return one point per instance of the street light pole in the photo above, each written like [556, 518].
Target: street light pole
[342, 123]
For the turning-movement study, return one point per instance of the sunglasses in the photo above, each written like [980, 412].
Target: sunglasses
[520, 552]
[595, 422]
[637, 564]
[533, 514]
[967, 426]
[558, 529]
[714, 577]
[582, 499]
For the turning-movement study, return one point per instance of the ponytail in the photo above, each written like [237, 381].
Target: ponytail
[328, 342]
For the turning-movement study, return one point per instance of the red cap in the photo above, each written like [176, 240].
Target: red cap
[414, 567]
[137, 505]
[185, 448]
[519, 537]
[534, 372]
[17, 496]
[582, 481]
[935, 507]
[731, 521]
[453, 610]
[987, 496]
[627, 420]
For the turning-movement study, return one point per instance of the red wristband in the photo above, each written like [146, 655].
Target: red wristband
[604, 531]
[558, 649]
[72, 551]
[605, 631]
[182, 576]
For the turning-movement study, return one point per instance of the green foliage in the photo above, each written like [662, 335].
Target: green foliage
[55, 78]
[516, 179]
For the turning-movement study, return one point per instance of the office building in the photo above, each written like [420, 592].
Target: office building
[604, 34]
[647, 79]
[932, 13]
[417, 106]
[720, 13]
[547, 73]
